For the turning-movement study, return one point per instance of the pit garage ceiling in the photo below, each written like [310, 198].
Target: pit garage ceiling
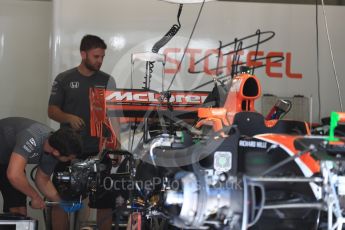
[327, 2]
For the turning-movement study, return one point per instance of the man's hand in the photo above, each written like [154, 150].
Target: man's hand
[17, 177]
[37, 203]
[55, 113]
[45, 185]
[76, 122]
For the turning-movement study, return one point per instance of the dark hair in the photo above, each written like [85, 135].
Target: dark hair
[67, 141]
[89, 42]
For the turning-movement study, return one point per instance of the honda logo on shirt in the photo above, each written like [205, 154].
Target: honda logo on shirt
[74, 84]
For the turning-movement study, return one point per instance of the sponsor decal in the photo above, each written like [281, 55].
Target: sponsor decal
[27, 149]
[253, 144]
[74, 84]
[30, 145]
[194, 98]
[54, 88]
[276, 63]
[222, 161]
[33, 142]
[33, 155]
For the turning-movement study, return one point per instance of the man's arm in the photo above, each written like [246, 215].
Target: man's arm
[56, 99]
[17, 177]
[45, 185]
[55, 113]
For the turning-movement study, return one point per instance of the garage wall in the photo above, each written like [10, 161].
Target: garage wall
[24, 58]
[25, 28]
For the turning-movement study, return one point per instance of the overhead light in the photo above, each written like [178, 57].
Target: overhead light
[187, 1]
[117, 42]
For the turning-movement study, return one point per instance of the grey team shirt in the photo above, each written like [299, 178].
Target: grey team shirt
[70, 92]
[25, 137]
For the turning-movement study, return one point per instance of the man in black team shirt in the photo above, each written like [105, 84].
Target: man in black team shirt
[24, 141]
[69, 104]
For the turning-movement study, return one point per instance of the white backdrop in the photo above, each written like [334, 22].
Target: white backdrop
[25, 28]
[130, 26]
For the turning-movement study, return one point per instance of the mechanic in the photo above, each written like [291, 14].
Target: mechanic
[24, 141]
[69, 104]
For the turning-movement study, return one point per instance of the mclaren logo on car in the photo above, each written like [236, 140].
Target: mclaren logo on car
[151, 97]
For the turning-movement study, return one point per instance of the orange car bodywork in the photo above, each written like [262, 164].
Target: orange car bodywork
[243, 92]
[287, 143]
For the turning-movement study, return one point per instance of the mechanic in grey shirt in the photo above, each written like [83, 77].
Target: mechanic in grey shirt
[24, 141]
[69, 103]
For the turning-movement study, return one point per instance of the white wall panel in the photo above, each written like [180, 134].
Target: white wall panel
[24, 58]
[24, 64]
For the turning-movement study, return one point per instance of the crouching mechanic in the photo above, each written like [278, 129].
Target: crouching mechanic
[24, 141]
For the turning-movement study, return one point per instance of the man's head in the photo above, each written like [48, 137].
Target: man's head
[67, 142]
[92, 50]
